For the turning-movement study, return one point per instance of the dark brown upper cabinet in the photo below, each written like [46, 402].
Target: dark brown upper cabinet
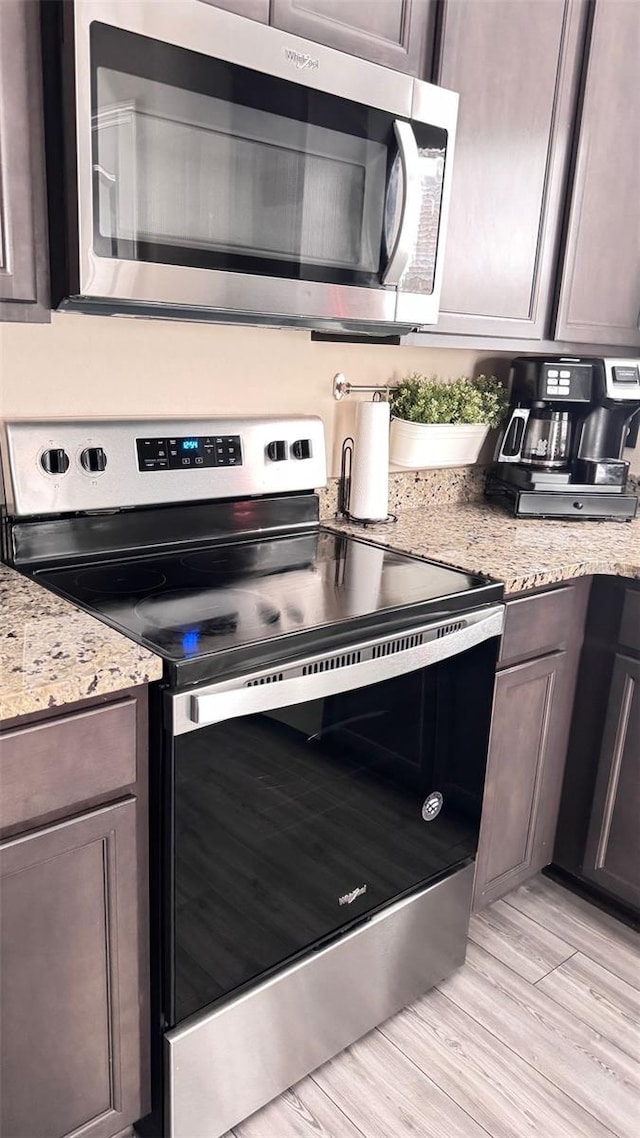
[24, 268]
[516, 67]
[395, 33]
[599, 298]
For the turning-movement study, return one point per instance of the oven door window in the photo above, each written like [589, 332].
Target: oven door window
[199, 162]
[293, 825]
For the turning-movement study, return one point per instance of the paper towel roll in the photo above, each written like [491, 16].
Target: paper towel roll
[369, 496]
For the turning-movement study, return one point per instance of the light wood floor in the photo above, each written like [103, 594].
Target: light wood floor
[538, 1034]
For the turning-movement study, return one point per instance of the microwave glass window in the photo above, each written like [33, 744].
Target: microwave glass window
[184, 170]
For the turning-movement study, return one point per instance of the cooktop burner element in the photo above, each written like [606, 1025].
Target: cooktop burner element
[127, 580]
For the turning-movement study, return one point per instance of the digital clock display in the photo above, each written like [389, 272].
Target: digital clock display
[189, 453]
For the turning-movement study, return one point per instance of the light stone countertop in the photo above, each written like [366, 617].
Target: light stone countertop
[52, 653]
[523, 553]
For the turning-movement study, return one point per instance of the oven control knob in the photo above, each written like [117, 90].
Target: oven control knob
[93, 459]
[301, 448]
[55, 461]
[277, 450]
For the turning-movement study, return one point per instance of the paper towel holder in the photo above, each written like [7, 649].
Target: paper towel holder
[344, 491]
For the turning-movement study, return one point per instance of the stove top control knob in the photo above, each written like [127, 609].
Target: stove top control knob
[302, 448]
[277, 450]
[55, 461]
[94, 460]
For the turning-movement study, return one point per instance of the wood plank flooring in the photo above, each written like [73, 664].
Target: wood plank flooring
[538, 1034]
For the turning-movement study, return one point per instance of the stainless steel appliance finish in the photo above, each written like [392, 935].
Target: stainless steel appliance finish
[319, 676]
[404, 291]
[223, 1066]
[34, 489]
[319, 738]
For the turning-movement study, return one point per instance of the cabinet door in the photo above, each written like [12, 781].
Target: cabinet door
[254, 9]
[516, 66]
[70, 997]
[527, 751]
[612, 854]
[396, 33]
[23, 234]
[600, 288]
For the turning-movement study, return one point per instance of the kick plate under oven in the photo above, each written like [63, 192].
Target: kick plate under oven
[310, 806]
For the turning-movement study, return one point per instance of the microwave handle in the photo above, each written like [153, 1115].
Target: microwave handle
[404, 243]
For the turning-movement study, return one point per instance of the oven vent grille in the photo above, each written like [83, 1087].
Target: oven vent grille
[399, 645]
[447, 628]
[331, 663]
[274, 678]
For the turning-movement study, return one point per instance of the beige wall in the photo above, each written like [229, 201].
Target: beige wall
[110, 366]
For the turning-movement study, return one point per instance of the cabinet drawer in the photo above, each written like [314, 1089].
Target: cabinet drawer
[630, 623]
[55, 765]
[546, 622]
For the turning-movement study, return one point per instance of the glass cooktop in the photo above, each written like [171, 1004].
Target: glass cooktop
[245, 597]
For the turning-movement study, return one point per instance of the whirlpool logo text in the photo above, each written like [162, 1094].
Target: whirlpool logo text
[301, 60]
[349, 898]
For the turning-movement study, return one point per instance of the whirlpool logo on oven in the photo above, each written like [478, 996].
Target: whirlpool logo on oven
[349, 898]
[302, 60]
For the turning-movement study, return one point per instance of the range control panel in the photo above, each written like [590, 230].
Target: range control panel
[58, 467]
[189, 453]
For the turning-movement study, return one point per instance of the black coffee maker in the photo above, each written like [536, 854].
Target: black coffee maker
[561, 453]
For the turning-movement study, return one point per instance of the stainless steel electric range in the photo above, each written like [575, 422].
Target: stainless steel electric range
[318, 743]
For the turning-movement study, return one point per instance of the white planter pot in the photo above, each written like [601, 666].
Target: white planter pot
[418, 445]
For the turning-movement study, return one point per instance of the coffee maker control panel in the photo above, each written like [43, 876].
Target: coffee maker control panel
[565, 380]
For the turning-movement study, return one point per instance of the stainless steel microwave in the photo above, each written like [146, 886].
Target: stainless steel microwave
[217, 168]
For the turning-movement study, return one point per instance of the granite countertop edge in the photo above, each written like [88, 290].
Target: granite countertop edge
[53, 653]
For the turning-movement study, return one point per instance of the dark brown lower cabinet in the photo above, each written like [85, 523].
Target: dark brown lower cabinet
[530, 727]
[612, 853]
[597, 845]
[69, 977]
[74, 1003]
[531, 715]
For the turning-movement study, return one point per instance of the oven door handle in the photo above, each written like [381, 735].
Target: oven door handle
[405, 238]
[229, 702]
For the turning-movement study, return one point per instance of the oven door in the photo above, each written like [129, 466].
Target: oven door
[303, 802]
[274, 178]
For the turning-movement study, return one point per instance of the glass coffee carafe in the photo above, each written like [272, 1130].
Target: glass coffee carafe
[547, 438]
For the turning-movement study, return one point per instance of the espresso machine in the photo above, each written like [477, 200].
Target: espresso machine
[561, 453]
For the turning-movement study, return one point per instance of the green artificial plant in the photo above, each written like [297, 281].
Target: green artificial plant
[422, 400]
